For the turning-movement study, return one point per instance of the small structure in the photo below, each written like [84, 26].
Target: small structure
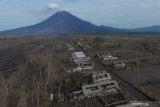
[100, 76]
[106, 56]
[118, 64]
[100, 88]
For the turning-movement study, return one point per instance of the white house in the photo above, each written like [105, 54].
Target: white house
[82, 61]
[80, 57]
[100, 88]
[106, 56]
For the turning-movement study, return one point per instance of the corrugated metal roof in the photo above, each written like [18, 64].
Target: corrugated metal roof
[80, 55]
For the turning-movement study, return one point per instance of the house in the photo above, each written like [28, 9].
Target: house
[118, 64]
[106, 56]
[103, 88]
[79, 57]
[100, 88]
[86, 65]
[100, 76]
[81, 60]
[82, 66]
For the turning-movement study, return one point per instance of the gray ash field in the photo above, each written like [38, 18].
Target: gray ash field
[43, 71]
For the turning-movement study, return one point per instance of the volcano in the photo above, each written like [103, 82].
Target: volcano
[64, 22]
[61, 22]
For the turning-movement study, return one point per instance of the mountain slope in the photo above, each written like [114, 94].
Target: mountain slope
[61, 22]
[65, 23]
[155, 28]
[150, 29]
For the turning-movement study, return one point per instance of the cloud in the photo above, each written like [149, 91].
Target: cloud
[149, 4]
[50, 8]
[53, 6]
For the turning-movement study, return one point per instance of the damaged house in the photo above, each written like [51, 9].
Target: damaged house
[82, 61]
[100, 76]
[102, 84]
[106, 56]
[100, 88]
[118, 65]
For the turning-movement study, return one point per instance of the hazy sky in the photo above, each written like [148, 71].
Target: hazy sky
[116, 13]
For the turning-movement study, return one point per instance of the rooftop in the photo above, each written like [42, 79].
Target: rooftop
[79, 54]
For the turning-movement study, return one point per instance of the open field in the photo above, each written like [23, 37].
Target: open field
[147, 74]
[152, 90]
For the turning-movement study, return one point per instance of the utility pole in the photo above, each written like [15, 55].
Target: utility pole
[138, 72]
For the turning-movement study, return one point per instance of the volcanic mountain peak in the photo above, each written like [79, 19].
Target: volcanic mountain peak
[60, 22]
[62, 13]
[64, 22]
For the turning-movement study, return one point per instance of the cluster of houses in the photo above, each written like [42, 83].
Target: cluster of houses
[102, 85]
[111, 59]
[81, 61]
[84, 62]
[102, 82]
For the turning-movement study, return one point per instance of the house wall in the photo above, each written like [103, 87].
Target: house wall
[100, 88]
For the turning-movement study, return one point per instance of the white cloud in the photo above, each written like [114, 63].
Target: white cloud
[53, 6]
[150, 4]
[46, 9]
